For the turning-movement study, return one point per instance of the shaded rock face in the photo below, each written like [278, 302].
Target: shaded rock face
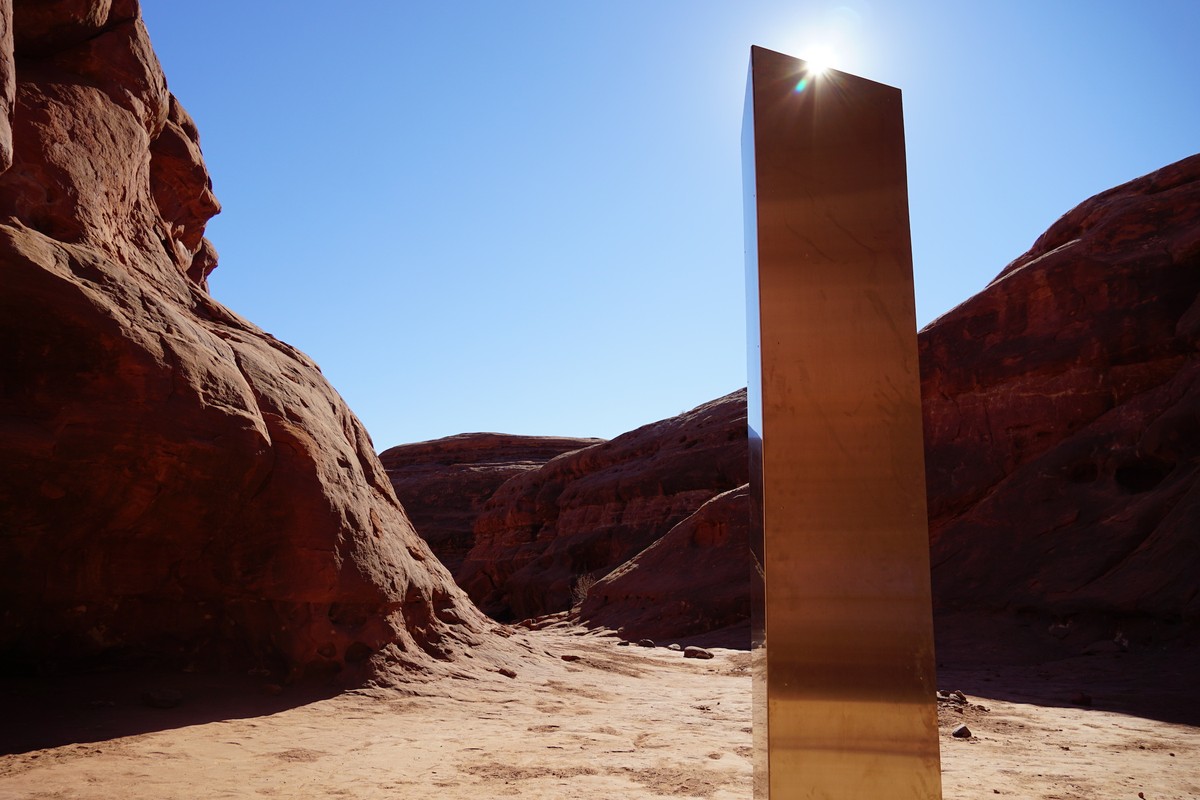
[1062, 415]
[587, 512]
[177, 484]
[693, 580]
[444, 483]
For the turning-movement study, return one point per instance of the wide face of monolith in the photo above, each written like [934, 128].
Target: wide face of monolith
[844, 701]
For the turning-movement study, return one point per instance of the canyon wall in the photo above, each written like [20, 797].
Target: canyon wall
[177, 485]
[1062, 415]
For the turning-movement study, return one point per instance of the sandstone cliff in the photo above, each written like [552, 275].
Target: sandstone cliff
[584, 513]
[177, 484]
[1062, 415]
[444, 483]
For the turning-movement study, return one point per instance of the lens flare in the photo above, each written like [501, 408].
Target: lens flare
[815, 65]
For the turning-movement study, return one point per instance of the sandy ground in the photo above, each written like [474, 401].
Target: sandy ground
[607, 722]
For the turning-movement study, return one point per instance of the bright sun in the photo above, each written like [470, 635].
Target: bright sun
[818, 58]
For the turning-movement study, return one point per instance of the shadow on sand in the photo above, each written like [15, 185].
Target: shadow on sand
[92, 708]
[1018, 660]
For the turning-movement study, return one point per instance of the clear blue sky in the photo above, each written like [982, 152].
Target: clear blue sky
[526, 216]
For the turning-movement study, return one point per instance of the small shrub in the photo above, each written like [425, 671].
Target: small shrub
[579, 590]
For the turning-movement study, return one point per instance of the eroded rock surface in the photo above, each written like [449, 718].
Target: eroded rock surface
[693, 580]
[444, 483]
[1062, 415]
[176, 484]
[584, 513]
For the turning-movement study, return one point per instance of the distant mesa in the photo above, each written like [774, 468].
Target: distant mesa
[177, 486]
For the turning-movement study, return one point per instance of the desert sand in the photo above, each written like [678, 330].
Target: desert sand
[584, 717]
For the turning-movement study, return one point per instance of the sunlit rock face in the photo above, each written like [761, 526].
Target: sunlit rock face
[1062, 416]
[584, 513]
[443, 483]
[177, 484]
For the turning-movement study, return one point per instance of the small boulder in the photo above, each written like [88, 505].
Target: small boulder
[961, 732]
[696, 652]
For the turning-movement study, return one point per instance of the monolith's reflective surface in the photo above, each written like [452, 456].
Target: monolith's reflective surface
[845, 692]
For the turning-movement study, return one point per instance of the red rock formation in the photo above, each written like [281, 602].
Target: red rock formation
[176, 483]
[693, 580]
[587, 512]
[1062, 415]
[444, 483]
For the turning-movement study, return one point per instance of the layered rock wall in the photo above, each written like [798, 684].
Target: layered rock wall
[444, 483]
[583, 514]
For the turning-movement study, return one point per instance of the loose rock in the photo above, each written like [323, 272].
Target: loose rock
[696, 652]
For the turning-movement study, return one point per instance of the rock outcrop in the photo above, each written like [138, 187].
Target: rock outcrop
[444, 483]
[176, 483]
[583, 514]
[1062, 416]
[693, 580]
